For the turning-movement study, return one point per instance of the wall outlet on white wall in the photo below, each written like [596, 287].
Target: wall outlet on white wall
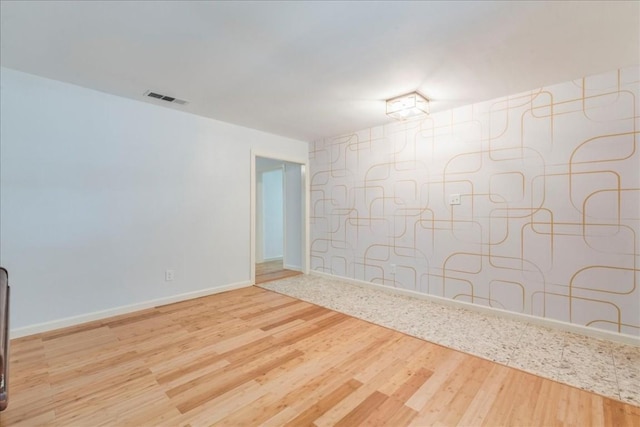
[454, 199]
[393, 269]
[168, 275]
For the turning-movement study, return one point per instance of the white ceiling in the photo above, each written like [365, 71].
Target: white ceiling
[309, 70]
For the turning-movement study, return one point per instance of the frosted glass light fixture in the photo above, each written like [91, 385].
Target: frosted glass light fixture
[406, 106]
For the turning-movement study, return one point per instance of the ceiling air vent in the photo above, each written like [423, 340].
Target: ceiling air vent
[166, 98]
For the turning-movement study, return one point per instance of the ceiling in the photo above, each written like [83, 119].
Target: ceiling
[306, 69]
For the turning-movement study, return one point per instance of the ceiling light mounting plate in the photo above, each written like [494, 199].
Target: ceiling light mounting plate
[408, 105]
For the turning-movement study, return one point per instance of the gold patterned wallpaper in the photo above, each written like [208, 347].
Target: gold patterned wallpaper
[549, 185]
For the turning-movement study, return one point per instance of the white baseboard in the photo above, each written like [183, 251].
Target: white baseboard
[292, 267]
[103, 314]
[541, 321]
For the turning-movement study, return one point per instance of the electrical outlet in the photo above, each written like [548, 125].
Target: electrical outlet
[393, 269]
[168, 275]
[454, 199]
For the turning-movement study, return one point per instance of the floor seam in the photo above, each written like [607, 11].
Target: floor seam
[447, 326]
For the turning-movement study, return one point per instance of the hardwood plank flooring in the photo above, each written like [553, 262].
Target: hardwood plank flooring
[254, 357]
[272, 270]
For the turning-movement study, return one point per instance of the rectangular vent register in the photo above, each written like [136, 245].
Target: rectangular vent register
[166, 98]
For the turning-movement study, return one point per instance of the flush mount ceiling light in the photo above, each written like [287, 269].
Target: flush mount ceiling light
[406, 106]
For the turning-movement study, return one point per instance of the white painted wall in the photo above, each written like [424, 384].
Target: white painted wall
[293, 208]
[272, 214]
[100, 194]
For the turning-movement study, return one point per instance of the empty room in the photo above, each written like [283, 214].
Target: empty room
[319, 213]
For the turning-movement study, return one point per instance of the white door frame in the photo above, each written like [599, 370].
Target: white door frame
[306, 190]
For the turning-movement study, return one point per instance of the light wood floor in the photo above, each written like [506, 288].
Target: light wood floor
[272, 270]
[251, 357]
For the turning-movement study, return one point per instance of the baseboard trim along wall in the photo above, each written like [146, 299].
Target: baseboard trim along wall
[292, 267]
[549, 323]
[103, 314]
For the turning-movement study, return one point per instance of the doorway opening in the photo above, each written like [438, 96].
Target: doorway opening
[279, 224]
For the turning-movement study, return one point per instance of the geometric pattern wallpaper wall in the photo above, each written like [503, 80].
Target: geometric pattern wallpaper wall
[549, 217]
